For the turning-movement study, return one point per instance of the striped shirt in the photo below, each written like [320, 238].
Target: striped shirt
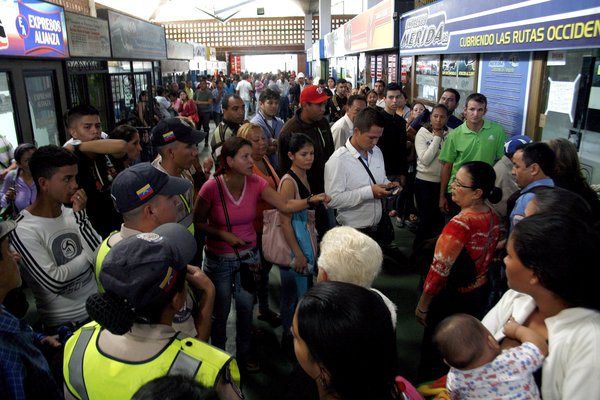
[57, 258]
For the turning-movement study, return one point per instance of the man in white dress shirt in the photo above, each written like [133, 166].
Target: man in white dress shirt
[353, 193]
[343, 127]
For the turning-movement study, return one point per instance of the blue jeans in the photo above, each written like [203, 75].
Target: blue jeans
[223, 271]
[293, 287]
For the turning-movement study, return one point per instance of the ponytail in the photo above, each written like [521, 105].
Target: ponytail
[111, 312]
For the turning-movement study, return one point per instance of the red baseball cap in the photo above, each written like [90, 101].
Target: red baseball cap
[313, 94]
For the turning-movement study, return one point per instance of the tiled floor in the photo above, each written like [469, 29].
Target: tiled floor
[395, 282]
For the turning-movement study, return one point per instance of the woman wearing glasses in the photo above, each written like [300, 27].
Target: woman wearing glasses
[457, 279]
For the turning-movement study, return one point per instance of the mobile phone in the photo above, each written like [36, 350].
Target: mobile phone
[394, 190]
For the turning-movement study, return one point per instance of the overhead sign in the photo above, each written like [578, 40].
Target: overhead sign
[134, 39]
[33, 29]
[179, 50]
[372, 29]
[88, 37]
[500, 25]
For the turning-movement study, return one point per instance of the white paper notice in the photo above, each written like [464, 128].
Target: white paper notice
[561, 98]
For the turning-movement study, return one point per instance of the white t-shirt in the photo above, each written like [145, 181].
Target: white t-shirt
[244, 87]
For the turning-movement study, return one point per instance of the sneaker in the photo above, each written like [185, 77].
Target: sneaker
[270, 317]
[411, 225]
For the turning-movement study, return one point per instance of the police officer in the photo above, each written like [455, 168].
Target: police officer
[148, 198]
[131, 340]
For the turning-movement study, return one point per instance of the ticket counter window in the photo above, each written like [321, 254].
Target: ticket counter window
[41, 98]
[427, 77]
[7, 113]
[571, 104]
[460, 72]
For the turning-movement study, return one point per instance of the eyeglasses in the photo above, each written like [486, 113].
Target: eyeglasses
[457, 183]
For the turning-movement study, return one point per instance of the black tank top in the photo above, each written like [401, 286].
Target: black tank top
[302, 189]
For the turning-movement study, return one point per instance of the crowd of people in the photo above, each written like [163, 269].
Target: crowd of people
[133, 265]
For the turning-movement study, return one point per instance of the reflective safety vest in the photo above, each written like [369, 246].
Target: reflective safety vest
[188, 221]
[100, 256]
[90, 374]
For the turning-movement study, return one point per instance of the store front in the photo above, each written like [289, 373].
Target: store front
[537, 63]
[315, 58]
[87, 69]
[382, 67]
[32, 89]
[364, 49]
[136, 50]
[177, 66]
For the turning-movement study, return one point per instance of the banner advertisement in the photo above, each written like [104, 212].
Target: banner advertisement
[132, 38]
[371, 30]
[32, 28]
[88, 37]
[504, 78]
[500, 26]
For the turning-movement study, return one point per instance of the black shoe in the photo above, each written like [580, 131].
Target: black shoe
[270, 317]
[248, 363]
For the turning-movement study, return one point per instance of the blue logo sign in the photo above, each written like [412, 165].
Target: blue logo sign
[22, 27]
[42, 32]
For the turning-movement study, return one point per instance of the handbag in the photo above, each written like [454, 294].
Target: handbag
[275, 248]
[10, 212]
[250, 272]
[385, 233]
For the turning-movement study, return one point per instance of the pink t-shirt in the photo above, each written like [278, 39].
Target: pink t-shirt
[241, 211]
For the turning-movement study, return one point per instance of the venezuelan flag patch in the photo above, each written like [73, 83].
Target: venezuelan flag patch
[145, 192]
[168, 280]
[168, 137]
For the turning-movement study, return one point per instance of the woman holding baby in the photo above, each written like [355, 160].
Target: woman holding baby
[552, 271]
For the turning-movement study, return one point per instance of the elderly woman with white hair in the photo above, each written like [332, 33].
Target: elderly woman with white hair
[350, 256]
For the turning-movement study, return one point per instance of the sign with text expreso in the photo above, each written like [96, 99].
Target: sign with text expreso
[33, 29]
[449, 26]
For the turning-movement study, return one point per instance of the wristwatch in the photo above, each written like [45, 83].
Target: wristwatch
[75, 143]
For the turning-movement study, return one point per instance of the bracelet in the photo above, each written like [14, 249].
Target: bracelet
[308, 199]
[421, 311]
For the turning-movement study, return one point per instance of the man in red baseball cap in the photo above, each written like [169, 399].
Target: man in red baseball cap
[309, 119]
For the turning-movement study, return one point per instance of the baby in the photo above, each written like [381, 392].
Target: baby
[479, 369]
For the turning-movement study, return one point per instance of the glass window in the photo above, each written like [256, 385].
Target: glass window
[392, 67]
[42, 108]
[142, 66]
[458, 72]
[119, 66]
[428, 77]
[7, 113]
[405, 75]
[571, 110]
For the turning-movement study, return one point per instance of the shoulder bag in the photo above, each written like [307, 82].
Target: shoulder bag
[250, 273]
[274, 246]
[385, 233]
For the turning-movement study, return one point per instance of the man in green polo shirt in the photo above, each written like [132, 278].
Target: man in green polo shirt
[475, 140]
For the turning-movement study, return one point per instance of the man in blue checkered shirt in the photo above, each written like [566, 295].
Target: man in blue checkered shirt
[24, 373]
